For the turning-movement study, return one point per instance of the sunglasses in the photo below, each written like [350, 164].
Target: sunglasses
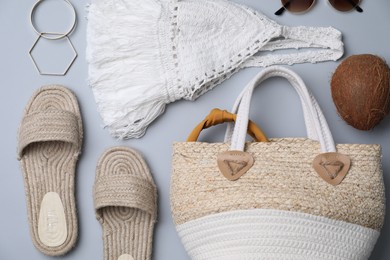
[300, 6]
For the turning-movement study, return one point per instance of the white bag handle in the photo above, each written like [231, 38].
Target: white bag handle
[311, 132]
[316, 125]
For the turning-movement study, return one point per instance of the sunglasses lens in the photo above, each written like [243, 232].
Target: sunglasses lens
[344, 5]
[297, 6]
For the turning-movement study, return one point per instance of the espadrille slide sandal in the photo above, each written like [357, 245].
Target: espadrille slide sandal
[125, 198]
[50, 138]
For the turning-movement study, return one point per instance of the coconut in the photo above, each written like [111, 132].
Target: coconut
[361, 90]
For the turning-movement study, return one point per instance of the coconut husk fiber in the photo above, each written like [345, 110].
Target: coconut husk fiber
[361, 90]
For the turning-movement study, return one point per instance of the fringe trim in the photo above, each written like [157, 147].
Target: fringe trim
[125, 67]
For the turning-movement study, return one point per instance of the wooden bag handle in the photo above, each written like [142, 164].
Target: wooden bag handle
[218, 116]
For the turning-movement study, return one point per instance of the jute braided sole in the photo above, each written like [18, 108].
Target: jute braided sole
[50, 138]
[125, 201]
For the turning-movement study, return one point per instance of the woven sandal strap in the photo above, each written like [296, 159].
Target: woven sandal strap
[125, 191]
[51, 125]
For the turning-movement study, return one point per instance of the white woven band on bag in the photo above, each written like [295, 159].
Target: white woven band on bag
[316, 125]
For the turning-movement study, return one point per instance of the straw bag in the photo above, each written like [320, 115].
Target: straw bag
[290, 198]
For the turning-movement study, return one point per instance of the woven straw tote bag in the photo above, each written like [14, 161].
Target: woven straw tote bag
[289, 198]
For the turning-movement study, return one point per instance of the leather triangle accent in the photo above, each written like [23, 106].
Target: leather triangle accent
[233, 164]
[332, 167]
[236, 166]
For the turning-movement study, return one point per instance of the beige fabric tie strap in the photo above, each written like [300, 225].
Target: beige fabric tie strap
[51, 125]
[125, 191]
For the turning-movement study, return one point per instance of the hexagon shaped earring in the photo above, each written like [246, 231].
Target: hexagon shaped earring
[73, 58]
[53, 36]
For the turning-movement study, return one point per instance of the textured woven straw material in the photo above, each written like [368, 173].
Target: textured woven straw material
[125, 198]
[282, 206]
[50, 138]
[282, 177]
[186, 46]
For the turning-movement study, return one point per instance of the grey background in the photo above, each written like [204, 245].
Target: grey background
[275, 107]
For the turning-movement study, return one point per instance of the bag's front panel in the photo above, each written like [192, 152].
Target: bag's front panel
[281, 178]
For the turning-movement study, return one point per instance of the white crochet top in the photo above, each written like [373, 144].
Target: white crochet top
[144, 54]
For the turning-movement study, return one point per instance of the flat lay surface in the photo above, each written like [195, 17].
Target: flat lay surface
[275, 108]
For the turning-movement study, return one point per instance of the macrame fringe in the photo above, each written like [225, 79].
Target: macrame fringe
[125, 70]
